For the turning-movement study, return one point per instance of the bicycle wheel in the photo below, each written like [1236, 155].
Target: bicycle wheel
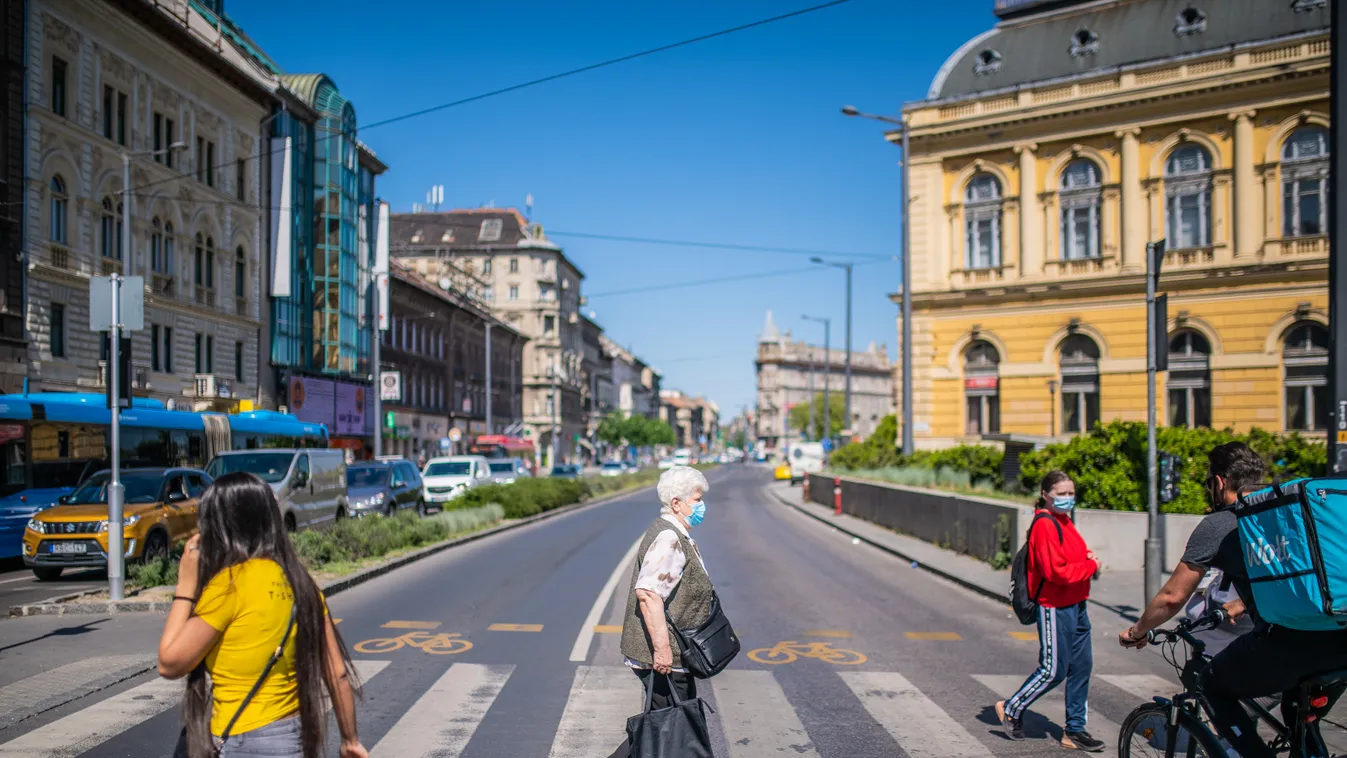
[381, 645]
[446, 646]
[1145, 734]
[772, 655]
[843, 657]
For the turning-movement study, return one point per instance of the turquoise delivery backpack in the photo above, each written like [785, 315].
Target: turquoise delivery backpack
[1294, 540]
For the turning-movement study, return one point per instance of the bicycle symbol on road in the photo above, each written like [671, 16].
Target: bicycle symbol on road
[435, 644]
[790, 651]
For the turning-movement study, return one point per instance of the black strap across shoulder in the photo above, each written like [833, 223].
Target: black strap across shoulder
[266, 672]
[1030, 556]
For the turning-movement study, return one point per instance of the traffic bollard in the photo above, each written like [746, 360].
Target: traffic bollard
[837, 496]
[806, 488]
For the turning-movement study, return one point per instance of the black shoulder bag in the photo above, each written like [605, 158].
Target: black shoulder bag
[181, 750]
[709, 647]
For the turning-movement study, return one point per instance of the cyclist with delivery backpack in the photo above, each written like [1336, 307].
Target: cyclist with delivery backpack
[1284, 551]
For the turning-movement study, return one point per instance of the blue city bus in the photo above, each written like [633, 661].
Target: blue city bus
[49, 442]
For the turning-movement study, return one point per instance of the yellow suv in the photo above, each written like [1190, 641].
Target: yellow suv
[160, 508]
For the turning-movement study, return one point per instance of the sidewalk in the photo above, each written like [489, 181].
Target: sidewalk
[1119, 592]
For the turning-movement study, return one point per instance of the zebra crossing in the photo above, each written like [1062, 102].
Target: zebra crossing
[754, 713]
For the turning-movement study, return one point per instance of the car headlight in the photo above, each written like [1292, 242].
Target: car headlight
[37, 526]
[126, 521]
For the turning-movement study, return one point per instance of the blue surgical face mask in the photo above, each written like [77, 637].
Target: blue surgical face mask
[1063, 503]
[698, 513]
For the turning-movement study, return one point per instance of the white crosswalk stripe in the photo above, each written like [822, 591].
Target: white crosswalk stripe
[63, 684]
[602, 698]
[756, 716]
[71, 735]
[1051, 705]
[922, 728]
[442, 721]
[1144, 687]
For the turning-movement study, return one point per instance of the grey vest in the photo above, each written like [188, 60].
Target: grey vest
[687, 607]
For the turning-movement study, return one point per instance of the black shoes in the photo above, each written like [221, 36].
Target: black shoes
[1082, 741]
[1014, 727]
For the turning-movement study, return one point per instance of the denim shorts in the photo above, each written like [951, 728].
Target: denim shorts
[279, 738]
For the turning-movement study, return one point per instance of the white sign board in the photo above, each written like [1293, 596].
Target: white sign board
[390, 386]
[132, 314]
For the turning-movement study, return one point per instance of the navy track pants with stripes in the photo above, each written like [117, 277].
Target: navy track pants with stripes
[1064, 655]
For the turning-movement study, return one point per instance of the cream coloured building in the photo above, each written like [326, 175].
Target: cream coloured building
[1047, 153]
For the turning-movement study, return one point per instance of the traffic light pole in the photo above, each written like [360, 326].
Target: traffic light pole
[1337, 273]
[1154, 257]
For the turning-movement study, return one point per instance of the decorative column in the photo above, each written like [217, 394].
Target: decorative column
[1031, 241]
[1247, 217]
[1134, 236]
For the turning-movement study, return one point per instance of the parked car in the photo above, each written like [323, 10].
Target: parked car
[613, 468]
[383, 487]
[444, 479]
[567, 471]
[507, 470]
[309, 483]
[160, 508]
[783, 473]
[666, 463]
[682, 457]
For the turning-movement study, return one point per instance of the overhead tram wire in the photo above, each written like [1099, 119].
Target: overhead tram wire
[717, 280]
[546, 79]
[718, 245]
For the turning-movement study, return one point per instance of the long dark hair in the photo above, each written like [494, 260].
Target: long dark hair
[1052, 479]
[241, 520]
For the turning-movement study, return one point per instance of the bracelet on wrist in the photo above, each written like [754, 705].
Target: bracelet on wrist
[191, 600]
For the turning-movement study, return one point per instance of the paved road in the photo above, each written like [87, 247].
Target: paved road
[543, 679]
[18, 585]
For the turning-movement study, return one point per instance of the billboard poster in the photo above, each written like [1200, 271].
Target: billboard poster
[313, 400]
[350, 410]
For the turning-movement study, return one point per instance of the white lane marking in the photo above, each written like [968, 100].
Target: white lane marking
[1052, 705]
[86, 728]
[66, 683]
[595, 720]
[917, 724]
[1142, 686]
[442, 721]
[367, 670]
[19, 579]
[581, 649]
[757, 718]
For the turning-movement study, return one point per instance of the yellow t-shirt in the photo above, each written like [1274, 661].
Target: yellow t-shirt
[250, 605]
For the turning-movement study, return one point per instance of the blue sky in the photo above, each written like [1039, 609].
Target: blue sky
[737, 140]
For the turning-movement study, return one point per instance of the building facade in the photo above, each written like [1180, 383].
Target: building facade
[1051, 149]
[13, 344]
[106, 79]
[695, 420]
[436, 341]
[498, 258]
[787, 369]
[636, 383]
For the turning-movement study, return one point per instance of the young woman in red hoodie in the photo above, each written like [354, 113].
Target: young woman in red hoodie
[1060, 570]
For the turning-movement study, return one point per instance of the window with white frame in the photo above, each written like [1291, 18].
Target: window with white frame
[1188, 383]
[1188, 197]
[1305, 367]
[982, 395]
[490, 231]
[1081, 198]
[982, 223]
[58, 230]
[1305, 182]
[1079, 364]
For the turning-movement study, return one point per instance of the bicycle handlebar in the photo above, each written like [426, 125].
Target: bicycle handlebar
[1183, 630]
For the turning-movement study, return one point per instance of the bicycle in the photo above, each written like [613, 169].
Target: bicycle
[1177, 727]
[790, 651]
[435, 644]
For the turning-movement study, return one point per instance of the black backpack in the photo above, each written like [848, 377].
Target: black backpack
[1026, 607]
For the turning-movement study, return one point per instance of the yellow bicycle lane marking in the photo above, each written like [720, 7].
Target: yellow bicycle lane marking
[443, 643]
[412, 625]
[790, 651]
[933, 635]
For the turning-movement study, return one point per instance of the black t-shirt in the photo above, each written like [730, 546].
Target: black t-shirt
[1215, 544]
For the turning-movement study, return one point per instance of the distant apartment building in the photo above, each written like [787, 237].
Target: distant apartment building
[695, 420]
[637, 384]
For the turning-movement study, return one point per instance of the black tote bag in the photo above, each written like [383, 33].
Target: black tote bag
[678, 731]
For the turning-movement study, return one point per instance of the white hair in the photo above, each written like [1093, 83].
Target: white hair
[679, 482]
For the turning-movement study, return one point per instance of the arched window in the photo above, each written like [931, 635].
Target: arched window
[1189, 380]
[1305, 363]
[982, 223]
[1188, 197]
[1305, 182]
[60, 203]
[1080, 384]
[1082, 196]
[240, 274]
[981, 381]
[157, 246]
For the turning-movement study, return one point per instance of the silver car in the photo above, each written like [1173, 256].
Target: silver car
[507, 470]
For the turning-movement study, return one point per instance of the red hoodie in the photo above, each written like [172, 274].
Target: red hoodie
[1064, 568]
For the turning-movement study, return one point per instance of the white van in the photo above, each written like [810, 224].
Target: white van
[805, 458]
[309, 483]
[682, 457]
[444, 479]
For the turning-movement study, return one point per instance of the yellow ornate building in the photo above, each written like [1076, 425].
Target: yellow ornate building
[1052, 148]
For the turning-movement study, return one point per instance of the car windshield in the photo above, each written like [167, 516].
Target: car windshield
[366, 476]
[138, 487]
[448, 468]
[270, 467]
[504, 467]
[612, 465]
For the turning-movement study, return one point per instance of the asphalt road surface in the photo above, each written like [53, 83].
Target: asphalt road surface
[18, 586]
[508, 647]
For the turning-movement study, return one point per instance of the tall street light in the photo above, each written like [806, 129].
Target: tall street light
[851, 110]
[846, 426]
[827, 373]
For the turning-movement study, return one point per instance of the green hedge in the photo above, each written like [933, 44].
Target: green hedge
[1109, 464]
[374, 537]
[981, 463]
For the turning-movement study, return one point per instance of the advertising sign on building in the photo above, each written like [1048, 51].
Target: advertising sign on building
[390, 386]
[339, 406]
[980, 383]
[350, 409]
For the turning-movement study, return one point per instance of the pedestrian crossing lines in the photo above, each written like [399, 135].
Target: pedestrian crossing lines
[755, 715]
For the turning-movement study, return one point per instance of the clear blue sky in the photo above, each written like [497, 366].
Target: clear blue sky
[737, 140]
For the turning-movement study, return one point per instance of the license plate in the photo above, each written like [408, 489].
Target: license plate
[69, 547]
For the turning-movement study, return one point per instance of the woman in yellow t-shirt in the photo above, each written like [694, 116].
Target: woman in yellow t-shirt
[241, 587]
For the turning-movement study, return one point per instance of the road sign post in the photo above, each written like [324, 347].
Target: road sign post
[1155, 255]
[1337, 272]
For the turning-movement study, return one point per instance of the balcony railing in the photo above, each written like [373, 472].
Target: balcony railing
[1078, 267]
[59, 256]
[210, 385]
[111, 266]
[205, 295]
[979, 277]
[1308, 246]
[162, 284]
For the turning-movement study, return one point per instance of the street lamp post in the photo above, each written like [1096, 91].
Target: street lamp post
[1052, 407]
[827, 374]
[906, 276]
[813, 427]
[847, 268]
